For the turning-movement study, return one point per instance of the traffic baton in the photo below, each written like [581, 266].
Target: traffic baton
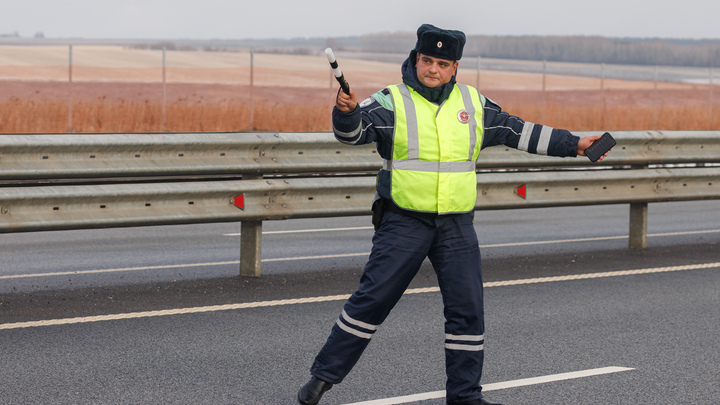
[336, 71]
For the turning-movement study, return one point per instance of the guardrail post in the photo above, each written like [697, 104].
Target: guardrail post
[638, 221]
[250, 248]
[250, 241]
[638, 225]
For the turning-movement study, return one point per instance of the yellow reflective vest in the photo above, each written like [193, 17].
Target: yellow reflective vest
[435, 149]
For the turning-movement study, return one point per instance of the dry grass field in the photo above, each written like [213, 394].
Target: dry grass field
[116, 89]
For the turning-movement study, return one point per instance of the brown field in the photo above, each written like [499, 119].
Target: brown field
[211, 92]
[126, 107]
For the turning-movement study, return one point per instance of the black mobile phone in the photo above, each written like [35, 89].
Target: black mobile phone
[600, 147]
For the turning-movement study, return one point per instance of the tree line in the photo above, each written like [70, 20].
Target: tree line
[582, 49]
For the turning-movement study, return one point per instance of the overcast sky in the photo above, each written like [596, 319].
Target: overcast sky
[259, 19]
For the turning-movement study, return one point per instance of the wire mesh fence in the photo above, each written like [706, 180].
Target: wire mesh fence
[115, 89]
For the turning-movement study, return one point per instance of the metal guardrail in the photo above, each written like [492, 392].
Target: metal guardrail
[54, 182]
[25, 157]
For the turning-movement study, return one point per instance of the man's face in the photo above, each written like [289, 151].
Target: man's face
[434, 72]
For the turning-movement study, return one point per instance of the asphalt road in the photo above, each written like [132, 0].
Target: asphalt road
[158, 315]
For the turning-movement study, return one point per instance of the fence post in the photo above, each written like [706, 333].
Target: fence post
[710, 103]
[252, 107]
[655, 100]
[164, 95]
[70, 64]
[544, 90]
[603, 114]
[250, 241]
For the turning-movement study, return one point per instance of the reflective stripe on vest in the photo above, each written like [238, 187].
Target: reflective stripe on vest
[434, 150]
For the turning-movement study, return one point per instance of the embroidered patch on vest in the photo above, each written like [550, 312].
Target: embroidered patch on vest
[463, 116]
[367, 102]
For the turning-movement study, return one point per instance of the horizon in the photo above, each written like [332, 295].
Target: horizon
[307, 19]
[8, 37]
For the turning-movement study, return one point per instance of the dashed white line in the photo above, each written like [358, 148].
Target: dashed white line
[499, 386]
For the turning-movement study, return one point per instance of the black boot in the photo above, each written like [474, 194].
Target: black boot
[311, 392]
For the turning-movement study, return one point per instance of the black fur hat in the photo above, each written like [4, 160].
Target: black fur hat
[440, 43]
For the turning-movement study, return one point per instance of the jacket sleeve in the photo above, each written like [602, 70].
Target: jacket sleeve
[501, 128]
[369, 122]
[372, 121]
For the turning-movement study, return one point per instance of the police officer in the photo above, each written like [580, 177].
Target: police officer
[429, 130]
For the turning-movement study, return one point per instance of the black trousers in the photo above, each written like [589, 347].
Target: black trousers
[400, 246]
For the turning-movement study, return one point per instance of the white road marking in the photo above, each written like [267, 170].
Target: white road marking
[365, 228]
[179, 311]
[287, 259]
[335, 256]
[499, 386]
[228, 307]
[549, 242]
[167, 266]
[606, 274]
[357, 228]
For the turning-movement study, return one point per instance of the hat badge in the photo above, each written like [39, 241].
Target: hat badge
[439, 44]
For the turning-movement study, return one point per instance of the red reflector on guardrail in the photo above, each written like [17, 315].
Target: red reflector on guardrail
[522, 191]
[239, 201]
